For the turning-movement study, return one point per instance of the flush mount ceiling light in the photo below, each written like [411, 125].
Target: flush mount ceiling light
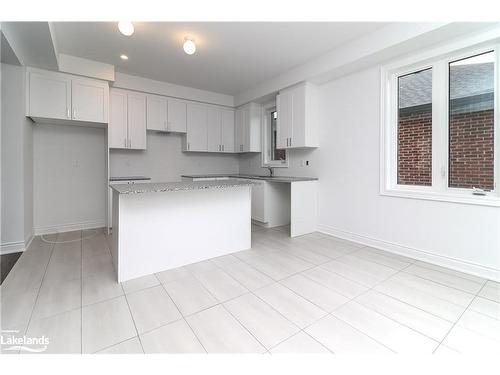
[126, 28]
[189, 46]
[124, 57]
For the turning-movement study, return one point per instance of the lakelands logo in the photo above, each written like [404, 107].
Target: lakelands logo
[10, 341]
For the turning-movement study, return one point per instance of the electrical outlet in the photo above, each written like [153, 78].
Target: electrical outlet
[307, 162]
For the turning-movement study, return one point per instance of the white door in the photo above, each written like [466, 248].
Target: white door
[156, 118]
[136, 121]
[284, 103]
[196, 137]
[176, 116]
[117, 128]
[89, 100]
[49, 96]
[214, 143]
[227, 129]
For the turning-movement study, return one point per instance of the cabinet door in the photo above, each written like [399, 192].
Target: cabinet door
[298, 116]
[196, 137]
[89, 100]
[176, 116]
[241, 130]
[136, 116]
[214, 135]
[284, 103]
[227, 130]
[117, 128]
[258, 201]
[49, 96]
[156, 118]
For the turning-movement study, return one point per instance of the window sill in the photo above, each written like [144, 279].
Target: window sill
[487, 200]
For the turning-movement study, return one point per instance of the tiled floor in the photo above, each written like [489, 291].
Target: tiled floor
[312, 294]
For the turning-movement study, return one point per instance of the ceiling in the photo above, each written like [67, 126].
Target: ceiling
[230, 58]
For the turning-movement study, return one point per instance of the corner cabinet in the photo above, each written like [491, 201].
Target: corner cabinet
[63, 98]
[297, 123]
[127, 120]
[209, 129]
[248, 128]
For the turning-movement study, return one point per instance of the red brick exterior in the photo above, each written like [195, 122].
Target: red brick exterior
[415, 147]
[471, 150]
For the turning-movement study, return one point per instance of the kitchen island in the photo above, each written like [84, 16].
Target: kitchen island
[160, 226]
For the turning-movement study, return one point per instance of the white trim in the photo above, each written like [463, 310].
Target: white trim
[438, 60]
[422, 255]
[16, 247]
[48, 229]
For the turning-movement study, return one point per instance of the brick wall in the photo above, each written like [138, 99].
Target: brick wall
[471, 150]
[470, 147]
[415, 146]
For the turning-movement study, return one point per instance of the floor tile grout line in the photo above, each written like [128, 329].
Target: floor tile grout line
[456, 322]
[132, 316]
[81, 297]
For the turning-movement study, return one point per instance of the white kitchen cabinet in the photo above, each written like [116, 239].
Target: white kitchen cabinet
[214, 130]
[66, 98]
[196, 136]
[127, 123]
[156, 109]
[227, 130]
[259, 201]
[248, 128]
[176, 121]
[297, 123]
[166, 114]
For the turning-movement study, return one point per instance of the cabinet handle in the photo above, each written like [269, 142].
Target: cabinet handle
[74, 113]
[188, 145]
[222, 147]
[290, 141]
[129, 143]
[68, 114]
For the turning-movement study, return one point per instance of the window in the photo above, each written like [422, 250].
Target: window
[440, 129]
[272, 157]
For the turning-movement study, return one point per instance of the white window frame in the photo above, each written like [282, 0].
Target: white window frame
[266, 141]
[438, 60]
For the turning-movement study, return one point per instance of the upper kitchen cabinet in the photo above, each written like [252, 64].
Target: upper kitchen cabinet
[64, 98]
[297, 123]
[227, 130]
[247, 129]
[166, 114]
[197, 128]
[127, 122]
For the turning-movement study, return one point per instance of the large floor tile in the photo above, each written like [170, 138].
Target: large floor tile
[292, 306]
[342, 338]
[63, 332]
[399, 338]
[299, 343]
[335, 282]
[447, 279]
[57, 298]
[410, 316]
[466, 341]
[491, 291]
[320, 295]
[173, 274]
[265, 323]
[100, 286]
[222, 286]
[189, 295]
[94, 243]
[16, 310]
[486, 307]
[270, 267]
[424, 301]
[152, 308]
[140, 283]
[105, 324]
[203, 266]
[219, 332]
[130, 346]
[395, 261]
[175, 337]
[449, 271]
[480, 323]
[246, 275]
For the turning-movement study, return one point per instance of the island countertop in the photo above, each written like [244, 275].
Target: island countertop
[286, 179]
[139, 188]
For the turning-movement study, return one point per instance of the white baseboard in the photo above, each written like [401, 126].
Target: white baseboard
[16, 247]
[61, 228]
[425, 256]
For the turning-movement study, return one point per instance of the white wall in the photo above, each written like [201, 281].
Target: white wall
[17, 163]
[69, 177]
[462, 236]
[164, 160]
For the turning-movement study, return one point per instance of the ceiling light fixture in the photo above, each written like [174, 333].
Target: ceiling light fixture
[124, 57]
[126, 28]
[189, 46]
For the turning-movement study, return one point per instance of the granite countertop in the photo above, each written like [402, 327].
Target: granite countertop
[130, 178]
[255, 177]
[138, 188]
